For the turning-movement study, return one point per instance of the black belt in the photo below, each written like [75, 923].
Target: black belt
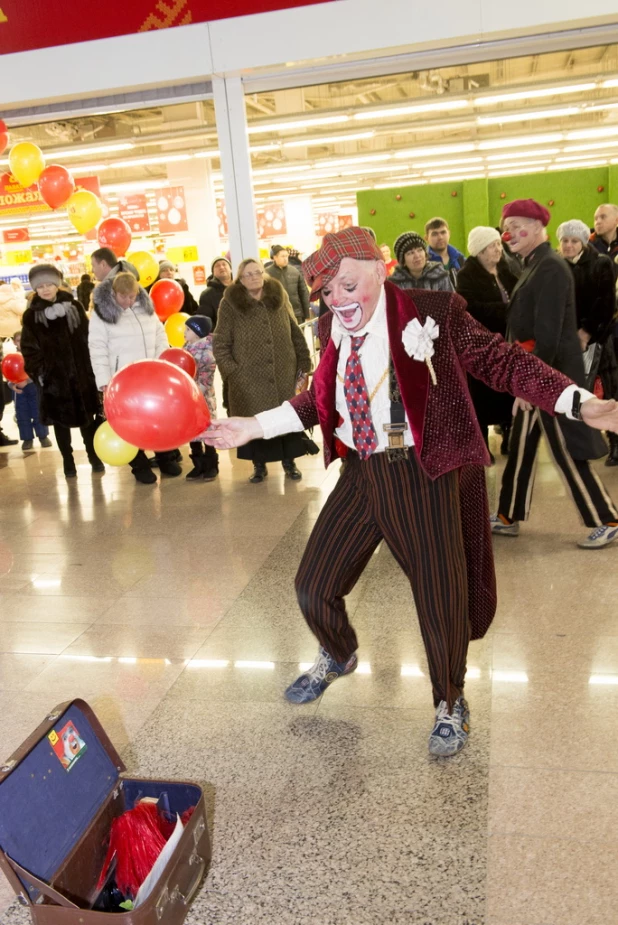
[396, 449]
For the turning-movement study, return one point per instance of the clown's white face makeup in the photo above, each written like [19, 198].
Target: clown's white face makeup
[353, 294]
[523, 234]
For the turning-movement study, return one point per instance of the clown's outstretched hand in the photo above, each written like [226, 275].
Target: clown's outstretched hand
[603, 415]
[231, 432]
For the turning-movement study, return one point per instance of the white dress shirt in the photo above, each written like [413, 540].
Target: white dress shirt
[374, 356]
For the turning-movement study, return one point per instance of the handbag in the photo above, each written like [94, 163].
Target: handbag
[592, 359]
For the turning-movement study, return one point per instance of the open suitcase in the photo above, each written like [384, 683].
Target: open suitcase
[59, 793]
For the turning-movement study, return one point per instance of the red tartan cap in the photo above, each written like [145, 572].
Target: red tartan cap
[526, 208]
[324, 264]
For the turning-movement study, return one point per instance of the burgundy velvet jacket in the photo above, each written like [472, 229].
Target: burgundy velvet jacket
[442, 417]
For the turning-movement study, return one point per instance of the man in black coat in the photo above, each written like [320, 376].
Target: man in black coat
[216, 284]
[292, 281]
[542, 319]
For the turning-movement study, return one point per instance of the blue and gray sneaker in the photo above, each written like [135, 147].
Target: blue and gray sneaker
[450, 733]
[314, 682]
[600, 537]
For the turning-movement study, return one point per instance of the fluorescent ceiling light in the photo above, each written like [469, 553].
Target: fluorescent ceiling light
[515, 173]
[509, 154]
[533, 94]
[599, 107]
[350, 161]
[444, 171]
[256, 149]
[88, 152]
[515, 164]
[520, 142]
[400, 184]
[299, 123]
[458, 179]
[577, 157]
[213, 153]
[584, 133]
[524, 116]
[436, 149]
[265, 171]
[328, 140]
[592, 146]
[606, 84]
[159, 159]
[137, 186]
[455, 160]
[584, 164]
[411, 110]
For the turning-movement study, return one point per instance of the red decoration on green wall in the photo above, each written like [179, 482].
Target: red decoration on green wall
[551, 202]
[412, 214]
[600, 189]
[372, 211]
[454, 193]
[398, 197]
[502, 195]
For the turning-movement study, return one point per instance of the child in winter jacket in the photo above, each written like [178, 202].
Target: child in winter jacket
[198, 342]
[27, 409]
[124, 328]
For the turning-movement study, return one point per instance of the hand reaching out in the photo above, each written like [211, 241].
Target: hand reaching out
[227, 433]
[602, 415]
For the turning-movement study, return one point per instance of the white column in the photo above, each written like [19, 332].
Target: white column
[195, 177]
[235, 167]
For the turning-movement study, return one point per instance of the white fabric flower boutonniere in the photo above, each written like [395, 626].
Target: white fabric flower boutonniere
[418, 342]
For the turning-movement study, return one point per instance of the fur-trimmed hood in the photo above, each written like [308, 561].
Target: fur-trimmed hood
[108, 309]
[273, 295]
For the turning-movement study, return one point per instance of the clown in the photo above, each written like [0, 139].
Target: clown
[390, 395]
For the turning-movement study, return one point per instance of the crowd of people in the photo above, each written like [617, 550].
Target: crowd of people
[247, 326]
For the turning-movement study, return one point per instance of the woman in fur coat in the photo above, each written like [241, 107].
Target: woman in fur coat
[263, 358]
[124, 328]
[54, 344]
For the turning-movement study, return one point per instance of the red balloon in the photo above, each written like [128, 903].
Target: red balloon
[115, 233]
[168, 298]
[155, 405]
[13, 368]
[56, 186]
[4, 136]
[181, 358]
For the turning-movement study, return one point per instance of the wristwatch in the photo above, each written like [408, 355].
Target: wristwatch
[576, 407]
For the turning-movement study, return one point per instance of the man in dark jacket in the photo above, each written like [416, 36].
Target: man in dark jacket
[291, 280]
[542, 319]
[605, 236]
[216, 284]
[105, 265]
[438, 236]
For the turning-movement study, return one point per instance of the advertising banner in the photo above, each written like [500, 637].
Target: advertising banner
[15, 235]
[40, 24]
[270, 220]
[172, 210]
[134, 210]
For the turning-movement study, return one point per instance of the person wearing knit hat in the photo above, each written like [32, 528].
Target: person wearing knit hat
[486, 282]
[415, 270]
[220, 278]
[390, 395]
[480, 238]
[54, 345]
[543, 320]
[167, 270]
[595, 307]
[198, 342]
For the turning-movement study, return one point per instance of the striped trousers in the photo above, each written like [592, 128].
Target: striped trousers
[585, 487]
[419, 520]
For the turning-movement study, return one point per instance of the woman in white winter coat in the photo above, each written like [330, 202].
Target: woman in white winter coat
[124, 328]
[12, 306]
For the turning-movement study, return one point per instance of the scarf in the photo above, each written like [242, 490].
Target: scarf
[59, 310]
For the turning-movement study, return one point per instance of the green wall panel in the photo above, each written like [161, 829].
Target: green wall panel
[479, 202]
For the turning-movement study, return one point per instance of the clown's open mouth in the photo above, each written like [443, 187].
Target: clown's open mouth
[349, 315]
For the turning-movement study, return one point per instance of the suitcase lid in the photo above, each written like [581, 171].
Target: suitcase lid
[52, 786]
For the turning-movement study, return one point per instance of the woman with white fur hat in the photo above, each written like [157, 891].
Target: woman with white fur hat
[486, 282]
[595, 305]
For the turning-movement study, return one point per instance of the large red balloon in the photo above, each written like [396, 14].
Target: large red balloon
[56, 186]
[155, 405]
[181, 358]
[13, 368]
[168, 298]
[115, 233]
[4, 137]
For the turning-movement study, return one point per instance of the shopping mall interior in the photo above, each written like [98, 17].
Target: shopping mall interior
[171, 608]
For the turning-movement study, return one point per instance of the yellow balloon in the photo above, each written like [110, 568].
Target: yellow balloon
[146, 266]
[175, 329]
[84, 210]
[111, 448]
[26, 162]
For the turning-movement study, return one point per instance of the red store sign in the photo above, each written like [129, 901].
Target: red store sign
[134, 210]
[15, 235]
[41, 24]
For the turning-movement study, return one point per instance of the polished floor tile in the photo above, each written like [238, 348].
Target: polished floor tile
[171, 610]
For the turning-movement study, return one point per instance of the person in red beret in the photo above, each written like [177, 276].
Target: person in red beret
[390, 395]
[543, 319]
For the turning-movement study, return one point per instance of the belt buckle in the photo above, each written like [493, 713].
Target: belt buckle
[396, 450]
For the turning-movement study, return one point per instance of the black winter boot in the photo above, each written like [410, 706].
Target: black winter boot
[612, 459]
[140, 467]
[291, 471]
[168, 465]
[259, 473]
[211, 464]
[198, 459]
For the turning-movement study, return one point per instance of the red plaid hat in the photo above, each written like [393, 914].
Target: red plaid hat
[526, 208]
[324, 264]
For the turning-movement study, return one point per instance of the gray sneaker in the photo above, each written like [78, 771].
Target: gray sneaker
[600, 537]
[27, 445]
[502, 529]
[450, 733]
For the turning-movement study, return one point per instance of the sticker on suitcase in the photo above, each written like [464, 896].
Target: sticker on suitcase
[67, 744]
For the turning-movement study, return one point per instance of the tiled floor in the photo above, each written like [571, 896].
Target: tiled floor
[171, 610]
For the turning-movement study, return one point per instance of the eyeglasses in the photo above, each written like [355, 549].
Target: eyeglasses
[256, 275]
